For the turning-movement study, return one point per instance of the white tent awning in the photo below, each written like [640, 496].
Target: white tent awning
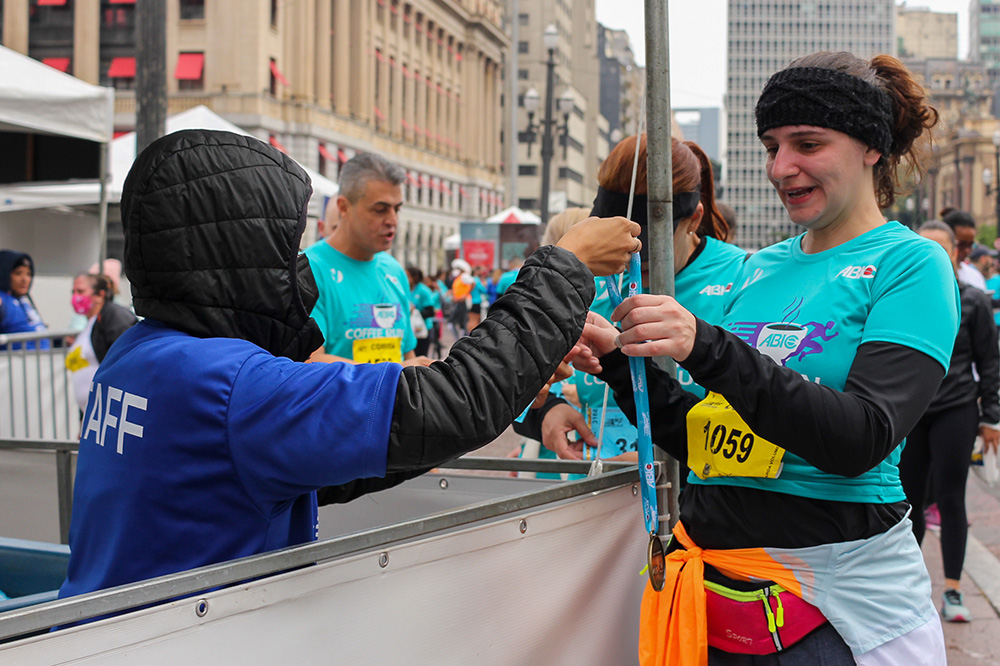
[515, 214]
[38, 98]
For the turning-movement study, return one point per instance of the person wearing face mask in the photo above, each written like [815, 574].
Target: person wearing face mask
[106, 321]
[17, 310]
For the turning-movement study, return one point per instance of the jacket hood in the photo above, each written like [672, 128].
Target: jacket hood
[8, 260]
[212, 225]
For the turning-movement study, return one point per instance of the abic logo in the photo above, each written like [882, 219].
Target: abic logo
[858, 272]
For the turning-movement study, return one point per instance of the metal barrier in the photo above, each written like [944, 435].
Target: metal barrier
[62, 452]
[36, 396]
[116, 600]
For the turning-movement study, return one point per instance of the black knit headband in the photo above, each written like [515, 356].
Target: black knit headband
[610, 204]
[827, 98]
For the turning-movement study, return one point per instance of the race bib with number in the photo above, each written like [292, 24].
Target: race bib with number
[620, 436]
[720, 443]
[378, 350]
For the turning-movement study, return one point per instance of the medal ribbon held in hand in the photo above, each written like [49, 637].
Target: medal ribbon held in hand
[637, 366]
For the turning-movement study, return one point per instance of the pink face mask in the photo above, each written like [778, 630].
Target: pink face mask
[82, 303]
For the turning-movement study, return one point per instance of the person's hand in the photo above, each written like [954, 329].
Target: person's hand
[564, 371]
[991, 438]
[604, 244]
[417, 360]
[654, 325]
[559, 421]
[598, 339]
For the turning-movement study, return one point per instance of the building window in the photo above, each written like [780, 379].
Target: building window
[192, 9]
[522, 74]
[527, 170]
[121, 73]
[569, 174]
[527, 204]
[522, 19]
[522, 47]
[274, 13]
[189, 71]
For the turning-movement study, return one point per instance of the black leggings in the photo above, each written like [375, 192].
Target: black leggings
[939, 449]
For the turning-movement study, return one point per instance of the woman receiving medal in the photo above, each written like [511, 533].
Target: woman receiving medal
[793, 538]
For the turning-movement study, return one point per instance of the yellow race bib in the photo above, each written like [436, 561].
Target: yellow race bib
[378, 350]
[720, 443]
[75, 360]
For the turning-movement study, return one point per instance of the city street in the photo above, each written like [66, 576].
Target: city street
[977, 642]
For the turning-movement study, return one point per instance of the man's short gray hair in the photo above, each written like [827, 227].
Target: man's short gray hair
[938, 225]
[358, 171]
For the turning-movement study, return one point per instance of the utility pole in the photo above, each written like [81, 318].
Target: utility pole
[512, 58]
[151, 71]
[660, 197]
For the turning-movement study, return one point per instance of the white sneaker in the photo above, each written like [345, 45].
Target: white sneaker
[953, 607]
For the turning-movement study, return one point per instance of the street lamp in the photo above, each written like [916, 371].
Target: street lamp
[531, 102]
[550, 39]
[996, 189]
[565, 105]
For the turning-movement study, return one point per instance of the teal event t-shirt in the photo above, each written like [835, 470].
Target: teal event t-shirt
[364, 306]
[702, 288]
[811, 312]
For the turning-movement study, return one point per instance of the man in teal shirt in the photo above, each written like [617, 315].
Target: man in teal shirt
[508, 278]
[364, 308]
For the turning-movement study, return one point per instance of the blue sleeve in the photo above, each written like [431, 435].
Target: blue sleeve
[916, 301]
[295, 427]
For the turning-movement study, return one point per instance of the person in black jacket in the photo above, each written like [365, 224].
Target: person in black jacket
[207, 437]
[106, 321]
[939, 447]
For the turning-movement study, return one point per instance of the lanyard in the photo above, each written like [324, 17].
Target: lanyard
[637, 366]
[655, 561]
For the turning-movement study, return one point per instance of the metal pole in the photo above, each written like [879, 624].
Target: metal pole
[512, 158]
[151, 71]
[547, 150]
[660, 196]
[996, 190]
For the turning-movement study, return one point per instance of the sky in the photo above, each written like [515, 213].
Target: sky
[698, 42]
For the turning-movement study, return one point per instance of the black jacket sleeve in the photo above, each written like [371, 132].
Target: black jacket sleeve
[668, 402]
[112, 321]
[840, 432]
[353, 489]
[986, 356]
[465, 401]
[531, 426]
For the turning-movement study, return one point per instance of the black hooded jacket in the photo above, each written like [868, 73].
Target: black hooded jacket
[211, 249]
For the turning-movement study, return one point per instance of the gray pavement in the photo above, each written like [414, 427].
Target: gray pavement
[976, 643]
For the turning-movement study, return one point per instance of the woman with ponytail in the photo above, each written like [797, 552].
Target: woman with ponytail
[705, 266]
[793, 539]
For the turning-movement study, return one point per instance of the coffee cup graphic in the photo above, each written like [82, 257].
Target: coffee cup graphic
[384, 314]
[779, 340]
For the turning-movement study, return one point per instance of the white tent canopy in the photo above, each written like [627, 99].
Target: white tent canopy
[201, 117]
[25, 196]
[38, 98]
[515, 215]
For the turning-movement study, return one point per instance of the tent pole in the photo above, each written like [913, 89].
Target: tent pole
[660, 214]
[105, 174]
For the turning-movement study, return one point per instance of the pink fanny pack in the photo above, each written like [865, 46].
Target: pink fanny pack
[759, 622]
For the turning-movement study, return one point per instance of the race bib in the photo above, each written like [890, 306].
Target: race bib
[75, 360]
[720, 443]
[620, 436]
[378, 350]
